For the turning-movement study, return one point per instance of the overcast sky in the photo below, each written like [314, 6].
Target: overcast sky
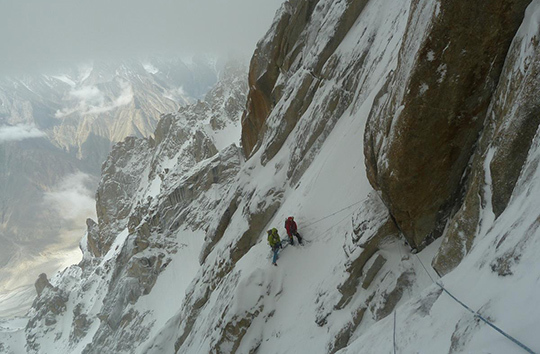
[44, 34]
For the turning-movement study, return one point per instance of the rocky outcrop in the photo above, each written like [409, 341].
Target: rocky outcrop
[287, 48]
[391, 297]
[266, 65]
[41, 283]
[424, 126]
[95, 246]
[373, 232]
[343, 337]
[228, 97]
[122, 174]
[356, 268]
[232, 327]
[48, 307]
[81, 324]
[373, 227]
[513, 120]
[182, 200]
[372, 271]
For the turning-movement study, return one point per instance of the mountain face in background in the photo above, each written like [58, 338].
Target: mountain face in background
[55, 133]
[385, 128]
[87, 108]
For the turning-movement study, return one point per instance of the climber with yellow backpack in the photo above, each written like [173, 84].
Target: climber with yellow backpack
[275, 242]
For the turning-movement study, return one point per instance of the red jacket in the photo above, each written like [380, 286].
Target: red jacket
[290, 225]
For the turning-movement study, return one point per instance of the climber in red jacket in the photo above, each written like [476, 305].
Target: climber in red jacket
[291, 227]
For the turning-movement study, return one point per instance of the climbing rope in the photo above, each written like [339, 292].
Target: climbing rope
[480, 317]
[476, 313]
[394, 331]
[429, 275]
[333, 225]
[337, 212]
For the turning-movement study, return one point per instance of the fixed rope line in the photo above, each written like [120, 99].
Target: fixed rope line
[394, 331]
[328, 216]
[422, 263]
[476, 314]
[334, 225]
[480, 317]
[337, 212]
[337, 223]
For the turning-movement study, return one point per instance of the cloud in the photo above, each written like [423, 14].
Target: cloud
[90, 100]
[19, 132]
[51, 250]
[87, 93]
[73, 199]
[178, 95]
[39, 34]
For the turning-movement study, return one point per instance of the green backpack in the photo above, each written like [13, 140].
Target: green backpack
[273, 237]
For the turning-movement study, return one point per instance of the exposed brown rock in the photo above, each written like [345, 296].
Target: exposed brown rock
[122, 173]
[342, 338]
[145, 270]
[41, 283]
[214, 235]
[390, 299]
[514, 135]
[356, 269]
[257, 222]
[234, 331]
[514, 117]
[274, 58]
[430, 128]
[372, 271]
[48, 305]
[80, 326]
[93, 241]
[265, 69]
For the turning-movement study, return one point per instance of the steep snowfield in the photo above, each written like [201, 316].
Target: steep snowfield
[290, 290]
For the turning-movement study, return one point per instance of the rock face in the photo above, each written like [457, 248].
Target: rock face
[122, 175]
[42, 283]
[512, 122]
[425, 124]
[265, 69]
[284, 50]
